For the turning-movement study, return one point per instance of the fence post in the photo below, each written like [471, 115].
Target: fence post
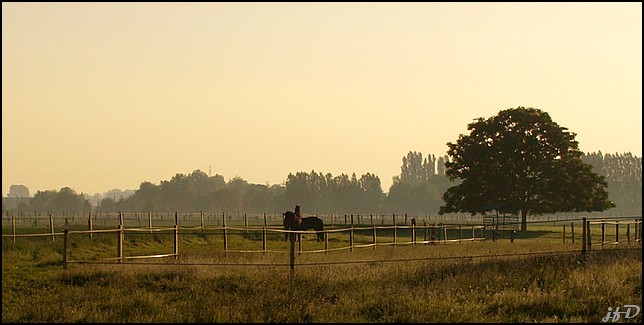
[326, 241]
[201, 221]
[395, 234]
[176, 235]
[65, 248]
[616, 231]
[584, 235]
[445, 232]
[589, 234]
[374, 237]
[460, 234]
[351, 235]
[51, 226]
[628, 232]
[572, 232]
[89, 223]
[223, 220]
[603, 232]
[292, 259]
[564, 234]
[264, 238]
[121, 235]
[245, 223]
[13, 227]
[413, 231]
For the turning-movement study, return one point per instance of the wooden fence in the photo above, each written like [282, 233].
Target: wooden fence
[429, 234]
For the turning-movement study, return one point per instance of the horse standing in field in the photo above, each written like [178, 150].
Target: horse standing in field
[314, 223]
[292, 220]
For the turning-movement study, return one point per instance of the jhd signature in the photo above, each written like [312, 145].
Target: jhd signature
[614, 316]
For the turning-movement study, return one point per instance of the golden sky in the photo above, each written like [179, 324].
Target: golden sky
[97, 96]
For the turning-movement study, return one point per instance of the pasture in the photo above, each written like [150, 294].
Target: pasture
[533, 277]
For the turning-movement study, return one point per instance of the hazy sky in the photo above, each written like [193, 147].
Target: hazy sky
[97, 96]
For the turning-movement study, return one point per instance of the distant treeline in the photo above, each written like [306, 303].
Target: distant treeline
[417, 190]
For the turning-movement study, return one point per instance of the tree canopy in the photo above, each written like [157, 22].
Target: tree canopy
[521, 160]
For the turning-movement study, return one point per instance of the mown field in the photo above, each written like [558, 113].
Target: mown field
[536, 278]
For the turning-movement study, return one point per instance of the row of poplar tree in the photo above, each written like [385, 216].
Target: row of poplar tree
[417, 190]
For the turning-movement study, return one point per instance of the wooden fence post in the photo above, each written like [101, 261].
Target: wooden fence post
[51, 226]
[413, 231]
[628, 232]
[395, 234]
[13, 227]
[351, 235]
[121, 235]
[245, 223]
[572, 232]
[264, 239]
[292, 259]
[326, 241]
[89, 223]
[65, 248]
[616, 231]
[564, 234]
[201, 226]
[589, 234]
[584, 234]
[176, 235]
[603, 233]
[374, 237]
[223, 220]
[445, 232]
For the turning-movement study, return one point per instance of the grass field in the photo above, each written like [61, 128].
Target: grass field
[536, 278]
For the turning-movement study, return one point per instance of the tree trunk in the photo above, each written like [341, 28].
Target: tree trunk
[524, 220]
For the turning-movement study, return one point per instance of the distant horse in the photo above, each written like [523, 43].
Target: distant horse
[291, 221]
[314, 223]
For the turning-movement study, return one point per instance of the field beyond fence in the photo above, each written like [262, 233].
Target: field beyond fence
[192, 268]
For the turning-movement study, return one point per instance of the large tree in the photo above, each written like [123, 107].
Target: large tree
[521, 160]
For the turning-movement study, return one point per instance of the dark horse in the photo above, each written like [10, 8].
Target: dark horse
[314, 223]
[292, 220]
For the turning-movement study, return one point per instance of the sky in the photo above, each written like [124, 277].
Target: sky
[98, 96]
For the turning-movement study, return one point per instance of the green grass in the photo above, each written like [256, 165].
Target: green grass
[451, 282]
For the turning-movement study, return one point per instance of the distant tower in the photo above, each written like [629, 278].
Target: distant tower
[209, 170]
